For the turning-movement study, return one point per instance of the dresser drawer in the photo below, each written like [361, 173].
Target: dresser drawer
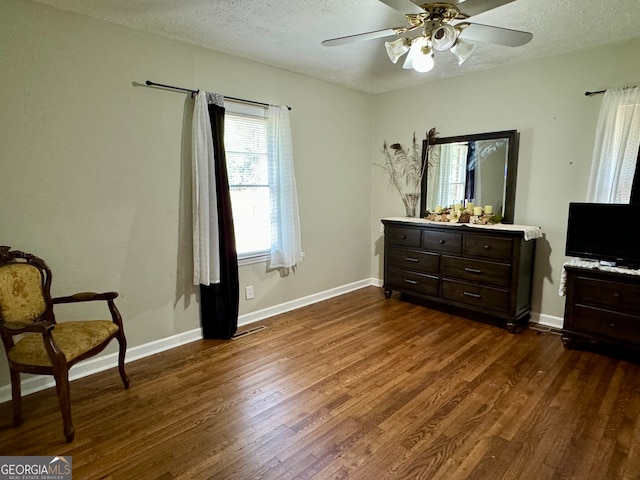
[485, 246]
[605, 323]
[414, 259]
[441, 241]
[480, 271]
[409, 237]
[417, 282]
[621, 297]
[475, 295]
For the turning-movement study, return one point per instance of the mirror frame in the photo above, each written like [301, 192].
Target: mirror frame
[509, 194]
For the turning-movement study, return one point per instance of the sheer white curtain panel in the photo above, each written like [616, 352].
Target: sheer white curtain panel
[615, 151]
[286, 244]
[206, 249]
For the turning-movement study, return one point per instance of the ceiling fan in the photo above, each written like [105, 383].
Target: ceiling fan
[442, 28]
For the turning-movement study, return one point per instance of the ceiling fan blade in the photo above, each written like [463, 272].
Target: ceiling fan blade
[362, 36]
[405, 6]
[474, 7]
[502, 36]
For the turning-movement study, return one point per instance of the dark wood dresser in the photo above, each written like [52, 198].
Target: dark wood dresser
[479, 269]
[602, 307]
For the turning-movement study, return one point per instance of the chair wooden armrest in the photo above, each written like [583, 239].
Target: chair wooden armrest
[93, 296]
[85, 297]
[33, 327]
[44, 328]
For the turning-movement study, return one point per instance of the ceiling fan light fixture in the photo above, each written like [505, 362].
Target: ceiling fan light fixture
[424, 60]
[397, 48]
[462, 50]
[444, 37]
[415, 50]
[434, 19]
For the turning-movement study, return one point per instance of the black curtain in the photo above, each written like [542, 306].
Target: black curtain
[219, 302]
[470, 180]
[635, 186]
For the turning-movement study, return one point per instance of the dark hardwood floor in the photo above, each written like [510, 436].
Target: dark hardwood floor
[356, 387]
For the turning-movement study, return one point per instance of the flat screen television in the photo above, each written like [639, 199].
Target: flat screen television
[609, 232]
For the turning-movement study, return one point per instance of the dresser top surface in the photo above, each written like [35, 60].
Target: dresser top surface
[529, 232]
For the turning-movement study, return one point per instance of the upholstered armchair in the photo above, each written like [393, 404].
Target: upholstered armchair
[35, 343]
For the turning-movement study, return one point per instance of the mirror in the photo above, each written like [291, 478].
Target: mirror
[479, 168]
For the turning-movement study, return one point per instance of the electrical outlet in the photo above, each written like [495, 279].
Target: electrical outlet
[248, 292]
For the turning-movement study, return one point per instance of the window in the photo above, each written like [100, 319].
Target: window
[246, 145]
[258, 144]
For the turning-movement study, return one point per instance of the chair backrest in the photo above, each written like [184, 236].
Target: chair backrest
[25, 282]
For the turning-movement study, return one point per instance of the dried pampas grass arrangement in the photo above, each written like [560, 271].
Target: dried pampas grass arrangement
[406, 167]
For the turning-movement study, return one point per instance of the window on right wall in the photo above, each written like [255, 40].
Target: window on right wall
[615, 168]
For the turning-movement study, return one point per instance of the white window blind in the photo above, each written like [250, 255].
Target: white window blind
[245, 138]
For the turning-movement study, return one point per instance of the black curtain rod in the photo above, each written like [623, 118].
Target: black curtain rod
[590, 94]
[193, 92]
[154, 84]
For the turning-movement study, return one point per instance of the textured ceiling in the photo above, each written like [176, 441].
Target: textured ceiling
[287, 33]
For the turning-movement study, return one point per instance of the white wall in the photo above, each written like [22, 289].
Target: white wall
[95, 171]
[544, 100]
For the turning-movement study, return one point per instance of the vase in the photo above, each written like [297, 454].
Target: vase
[410, 201]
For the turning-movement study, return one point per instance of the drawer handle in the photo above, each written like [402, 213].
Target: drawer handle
[441, 242]
[474, 295]
[412, 282]
[472, 270]
[404, 237]
[612, 325]
[411, 259]
[487, 247]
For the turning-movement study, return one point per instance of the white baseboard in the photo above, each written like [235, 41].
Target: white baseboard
[32, 384]
[547, 320]
[303, 302]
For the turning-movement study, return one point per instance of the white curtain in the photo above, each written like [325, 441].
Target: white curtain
[206, 250]
[616, 146]
[286, 245]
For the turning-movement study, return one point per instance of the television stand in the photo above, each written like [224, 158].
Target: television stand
[601, 307]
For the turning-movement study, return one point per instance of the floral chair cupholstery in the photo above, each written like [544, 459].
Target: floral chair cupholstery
[43, 346]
